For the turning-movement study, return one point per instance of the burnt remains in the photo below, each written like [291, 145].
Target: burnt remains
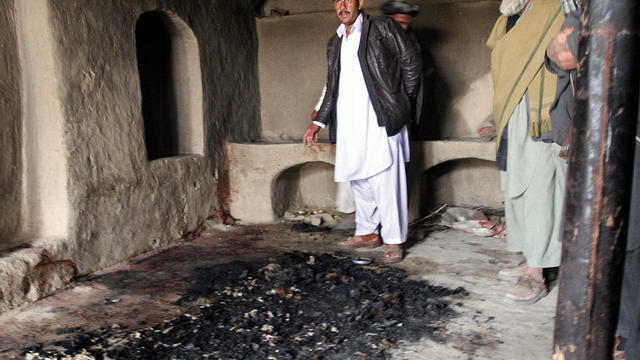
[294, 306]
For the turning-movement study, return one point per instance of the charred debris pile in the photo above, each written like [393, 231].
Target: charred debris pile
[294, 306]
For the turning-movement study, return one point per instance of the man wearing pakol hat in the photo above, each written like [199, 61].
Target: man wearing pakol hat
[402, 12]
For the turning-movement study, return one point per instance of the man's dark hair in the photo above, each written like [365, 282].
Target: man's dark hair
[400, 7]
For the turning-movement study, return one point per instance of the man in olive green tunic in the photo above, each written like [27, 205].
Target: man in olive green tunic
[533, 176]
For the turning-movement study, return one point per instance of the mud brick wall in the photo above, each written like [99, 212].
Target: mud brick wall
[10, 131]
[121, 203]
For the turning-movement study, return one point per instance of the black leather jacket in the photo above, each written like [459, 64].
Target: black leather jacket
[391, 65]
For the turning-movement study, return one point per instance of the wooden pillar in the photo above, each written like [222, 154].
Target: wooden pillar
[598, 185]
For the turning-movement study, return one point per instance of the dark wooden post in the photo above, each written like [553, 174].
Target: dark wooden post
[598, 185]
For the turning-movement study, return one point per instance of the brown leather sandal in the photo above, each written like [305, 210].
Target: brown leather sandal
[367, 241]
[393, 255]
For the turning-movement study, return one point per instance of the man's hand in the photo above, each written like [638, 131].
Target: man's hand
[310, 136]
[559, 53]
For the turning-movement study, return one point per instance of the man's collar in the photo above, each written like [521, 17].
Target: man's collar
[357, 27]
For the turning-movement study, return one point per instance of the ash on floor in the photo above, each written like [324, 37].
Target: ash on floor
[295, 306]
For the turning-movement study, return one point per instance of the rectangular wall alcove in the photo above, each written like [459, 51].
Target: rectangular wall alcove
[171, 85]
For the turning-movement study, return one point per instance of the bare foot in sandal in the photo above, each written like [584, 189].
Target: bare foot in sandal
[393, 253]
[358, 241]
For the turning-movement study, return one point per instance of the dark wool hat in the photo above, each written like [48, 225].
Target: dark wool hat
[400, 7]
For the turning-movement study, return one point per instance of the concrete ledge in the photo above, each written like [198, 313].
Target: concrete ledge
[253, 168]
[431, 153]
[27, 274]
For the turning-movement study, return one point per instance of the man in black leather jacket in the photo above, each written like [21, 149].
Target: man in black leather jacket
[392, 73]
[373, 57]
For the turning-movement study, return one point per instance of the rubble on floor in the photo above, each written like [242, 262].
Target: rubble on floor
[311, 220]
[473, 221]
[470, 220]
[315, 217]
[220, 221]
[294, 306]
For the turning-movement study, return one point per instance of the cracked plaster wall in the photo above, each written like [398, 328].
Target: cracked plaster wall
[121, 203]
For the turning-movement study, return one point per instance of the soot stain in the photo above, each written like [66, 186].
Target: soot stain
[294, 306]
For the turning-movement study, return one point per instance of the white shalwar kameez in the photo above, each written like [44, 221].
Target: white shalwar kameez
[372, 161]
[344, 194]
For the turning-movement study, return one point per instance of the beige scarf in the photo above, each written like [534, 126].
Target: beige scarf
[517, 65]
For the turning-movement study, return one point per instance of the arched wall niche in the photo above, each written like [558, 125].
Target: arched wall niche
[171, 85]
[461, 182]
[308, 184]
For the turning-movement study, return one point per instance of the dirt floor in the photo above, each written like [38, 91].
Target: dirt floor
[146, 290]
